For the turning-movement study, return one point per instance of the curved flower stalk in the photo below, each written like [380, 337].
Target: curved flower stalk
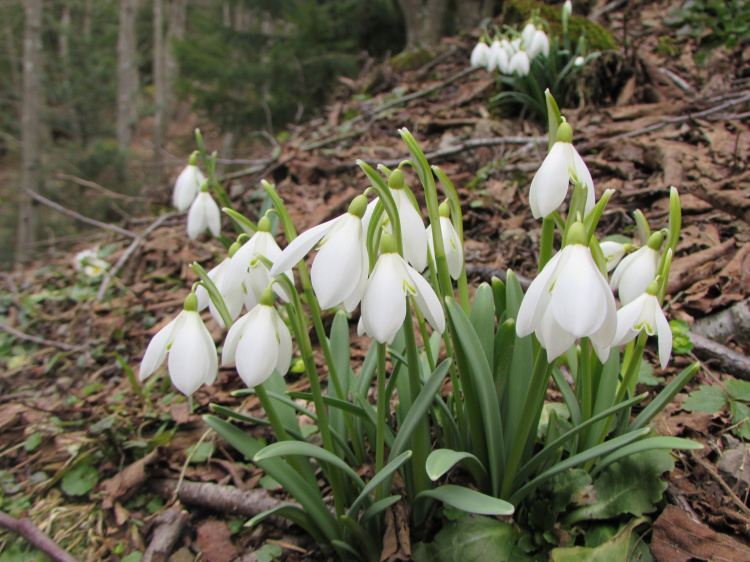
[454, 251]
[636, 272]
[645, 313]
[562, 165]
[246, 268]
[339, 271]
[259, 342]
[233, 296]
[188, 184]
[413, 231]
[569, 299]
[204, 214]
[383, 303]
[192, 353]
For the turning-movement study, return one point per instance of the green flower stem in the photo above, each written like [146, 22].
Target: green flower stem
[421, 437]
[271, 414]
[213, 294]
[381, 413]
[534, 396]
[317, 319]
[583, 385]
[546, 243]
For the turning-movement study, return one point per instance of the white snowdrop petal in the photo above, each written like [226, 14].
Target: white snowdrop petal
[213, 216]
[187, 187]
[210, 350]
[427, 300]
[301, 246]
[384, 303]
[257, 351]
[189, 364]
[537, 298]
[664, 333]
[351, 302]
[550, 184]
[412, 231]
[578, 302]
[196, 219]
[627, 318]
[156, 351]
[336, 269]
[234, 335]
[284, 358]
[556, 339]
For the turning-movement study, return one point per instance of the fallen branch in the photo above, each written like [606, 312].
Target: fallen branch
[114, 270]
[169, 525]
[686, 271]
[731, 322]
[29, 531]
[40, 341]
[99, 188]
[57, 207]
[226, 499]
[730, 361]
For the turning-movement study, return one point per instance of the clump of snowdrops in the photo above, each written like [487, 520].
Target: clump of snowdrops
[497, 352]
[529, 61]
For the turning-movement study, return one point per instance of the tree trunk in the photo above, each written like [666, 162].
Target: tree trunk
[127, 73]
[10, 46]
[30, 137]
[424, 21]
[470, 13]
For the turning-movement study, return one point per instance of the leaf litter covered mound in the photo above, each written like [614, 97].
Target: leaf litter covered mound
[106, 472]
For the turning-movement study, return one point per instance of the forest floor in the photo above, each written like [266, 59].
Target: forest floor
[107, 473]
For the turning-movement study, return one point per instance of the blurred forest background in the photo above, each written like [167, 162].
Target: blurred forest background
[99, 98]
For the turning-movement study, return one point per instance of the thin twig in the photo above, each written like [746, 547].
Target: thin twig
[114, 270]
[34, 195]
[100, 188]
[731, 362]
[29, 531]
[41, 341]
[726, 487]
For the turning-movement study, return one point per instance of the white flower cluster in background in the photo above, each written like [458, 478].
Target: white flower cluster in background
[512, 56]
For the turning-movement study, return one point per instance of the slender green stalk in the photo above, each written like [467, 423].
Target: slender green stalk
[546, 243]
[271, 414]
[421, 437]
[631, 370]
[381, 413]
[583, 385]
[536, 393]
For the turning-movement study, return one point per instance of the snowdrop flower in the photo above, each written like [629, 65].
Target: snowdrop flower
[567, 10]
[614, 252]
[88, 262]
[636, 272]
[454, 252]
[528, 33]
[480, 55]
[204, 214]
[569, 299]
[188, 184]
[519, 63]
[412, 227]
[248, 270]
[340, 269]
[539, 44]
[645, 313]
[562, 165]
[233, 296]
[192, 353]
[259, 342]
[384, 303]
[498, 59]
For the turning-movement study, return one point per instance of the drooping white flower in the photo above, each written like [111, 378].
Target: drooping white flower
[204, 214]
[412, 227]
[454, 252]
[645, 313]
[480, 55]
[562, 165]
[188, 184]
[258, 343]
[192, 353]
[528, 33]
[89, 263]
[579, 61]
[613, 252]
[498, 59]
[539, 44]
[569, 299]
[384, 301]
[339, 271]
[246, 268]
[519, 63]
[637, 271]
[233, 296]
[567, 9]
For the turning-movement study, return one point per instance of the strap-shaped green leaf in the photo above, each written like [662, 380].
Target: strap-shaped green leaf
[380, 477]
[468, 500]
[664, 397]
[658, 442]
[295, 514]
[441, 461]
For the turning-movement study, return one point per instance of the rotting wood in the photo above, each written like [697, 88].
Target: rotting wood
[730, 361]
[168, 527]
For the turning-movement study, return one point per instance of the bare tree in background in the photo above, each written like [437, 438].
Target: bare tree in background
[165, 70]
[127, 73]
[425, 19]
[30, 133]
